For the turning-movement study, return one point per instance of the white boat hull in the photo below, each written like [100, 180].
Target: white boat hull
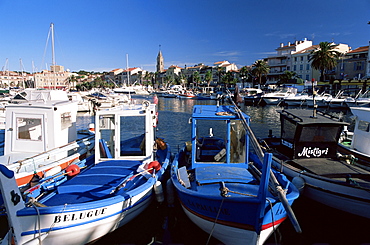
[81, 226]
[230, 235]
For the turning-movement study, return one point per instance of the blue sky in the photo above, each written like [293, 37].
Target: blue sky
[98, 35]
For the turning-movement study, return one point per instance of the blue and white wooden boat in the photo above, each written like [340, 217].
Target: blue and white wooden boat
[130, 162]
[218, 186]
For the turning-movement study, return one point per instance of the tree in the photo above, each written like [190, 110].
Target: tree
[208, 77]
[228, 78]
[220, 72]
[244, 73]
[259, 69]
[196, 78]
[325, 58]
[288, 75]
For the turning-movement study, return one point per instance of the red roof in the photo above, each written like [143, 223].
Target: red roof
[359, 50]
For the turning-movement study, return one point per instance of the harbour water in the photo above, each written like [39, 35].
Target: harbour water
[161, 224]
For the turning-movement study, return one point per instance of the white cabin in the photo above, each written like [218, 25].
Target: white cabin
[36, 127]
[361, 134]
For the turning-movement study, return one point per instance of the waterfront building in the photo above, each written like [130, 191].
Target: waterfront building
[131, 76]
[352, 71]
[56, 78]
[173, 71]
[15, 79]
[113, 75]
[302, 66]
[282, 61]
[353, 65]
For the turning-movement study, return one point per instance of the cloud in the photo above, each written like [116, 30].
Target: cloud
[227, 53]
[267, 53]
[280, 35]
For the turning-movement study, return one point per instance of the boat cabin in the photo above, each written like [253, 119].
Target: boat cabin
[39, 126]
[218, 136]
[305, 135]
[361, 134]
[126, 132]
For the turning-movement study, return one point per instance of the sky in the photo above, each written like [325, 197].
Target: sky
[102, 35]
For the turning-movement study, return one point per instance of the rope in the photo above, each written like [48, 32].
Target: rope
[33, 201]
[273, 221]
[244, 194]
[214, 223]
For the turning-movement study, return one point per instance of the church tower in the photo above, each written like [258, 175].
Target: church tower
[160, 61]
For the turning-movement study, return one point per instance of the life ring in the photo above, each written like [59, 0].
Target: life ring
[72, 170]
[155, 165]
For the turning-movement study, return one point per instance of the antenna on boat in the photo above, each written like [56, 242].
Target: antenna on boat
[314, 115]
[275, 183]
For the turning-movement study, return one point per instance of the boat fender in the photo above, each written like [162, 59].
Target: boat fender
[161, 144]
[155, 165]
[52, 171]
[72, 170]
[299, 182]
[92, 127]
[158, 190]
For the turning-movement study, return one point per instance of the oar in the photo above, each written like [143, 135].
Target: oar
[124, 182]
[275, 182]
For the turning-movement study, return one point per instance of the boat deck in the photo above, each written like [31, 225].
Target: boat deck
[239, 181]
[334, 169]
[95, 183]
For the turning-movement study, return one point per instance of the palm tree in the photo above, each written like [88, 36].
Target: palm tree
[288, 75]
[208, 77]
[196, 78]
[324, 58]
[259, 69]
[220, 72]
[244, 73]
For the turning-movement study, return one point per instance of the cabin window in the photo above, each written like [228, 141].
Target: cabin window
[319, 134]
[29, 129]
[287, 130]
[237, 142]
[211, 137]
[363, 126]
[66, 120]
[107, 132]
[132, 136]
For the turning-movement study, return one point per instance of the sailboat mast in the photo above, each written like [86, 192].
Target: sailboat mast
[128, 72]
[52, 54]
[52, 45]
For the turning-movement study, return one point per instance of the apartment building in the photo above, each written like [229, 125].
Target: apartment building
[56, 78]
[282, 61]
[354, 64]
[302, 66]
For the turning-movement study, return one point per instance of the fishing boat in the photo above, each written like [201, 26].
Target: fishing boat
[129, 164]
[306, 152]
[41, 136]
[356, 144]
[218, 186]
